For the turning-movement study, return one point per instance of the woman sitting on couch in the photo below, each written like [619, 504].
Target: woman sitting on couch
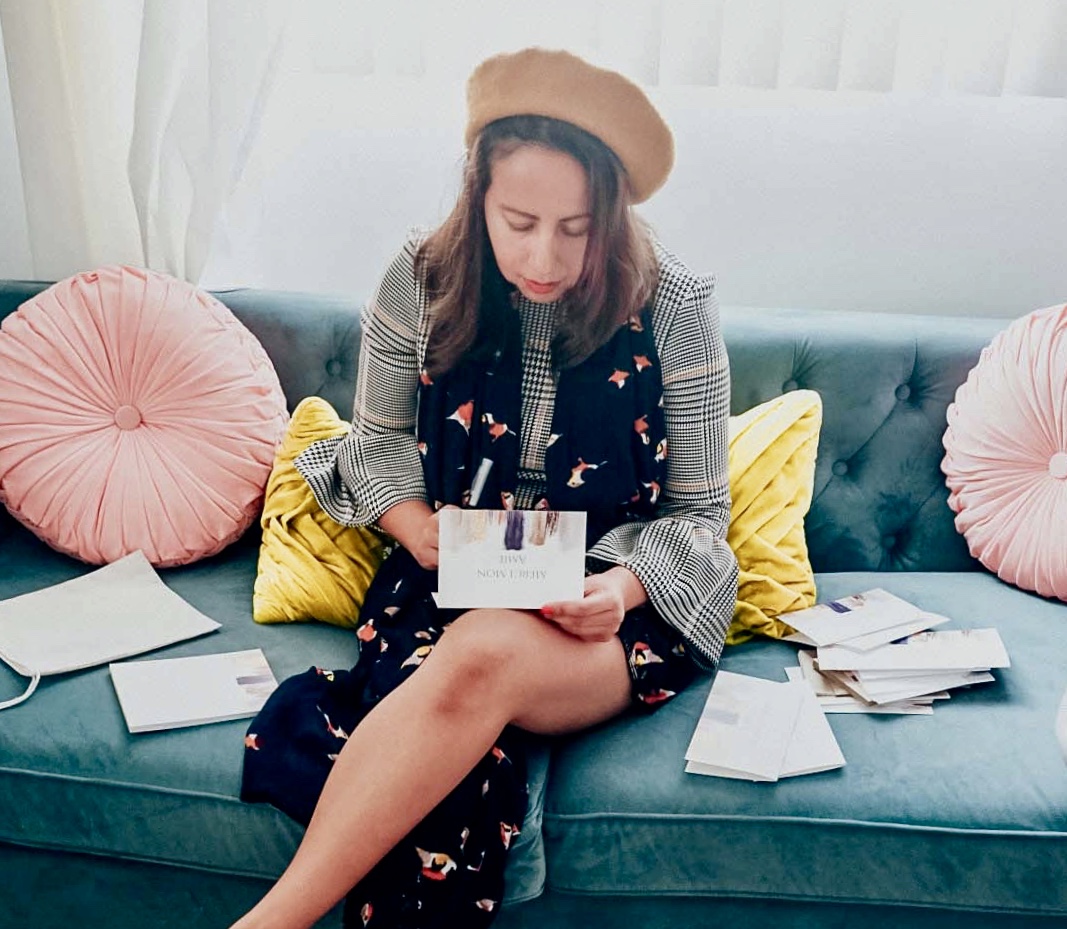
[537, 351]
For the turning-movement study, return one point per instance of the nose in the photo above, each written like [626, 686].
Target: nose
[541, 259]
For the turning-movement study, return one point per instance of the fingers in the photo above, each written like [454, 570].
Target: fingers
[596, 617]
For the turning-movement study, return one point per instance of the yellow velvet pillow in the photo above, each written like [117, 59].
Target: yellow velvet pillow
[310, 567]
[772, 474]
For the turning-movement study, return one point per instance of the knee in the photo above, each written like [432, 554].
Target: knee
[478, 659]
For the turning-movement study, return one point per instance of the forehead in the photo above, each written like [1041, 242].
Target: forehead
[538, 180]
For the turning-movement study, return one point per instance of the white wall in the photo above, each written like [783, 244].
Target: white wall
[793, 198]
[15, 259]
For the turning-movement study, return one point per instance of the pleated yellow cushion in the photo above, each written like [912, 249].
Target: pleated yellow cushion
[772, 475]
[310, 567]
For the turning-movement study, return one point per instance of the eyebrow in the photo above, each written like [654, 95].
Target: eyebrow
[525, 215]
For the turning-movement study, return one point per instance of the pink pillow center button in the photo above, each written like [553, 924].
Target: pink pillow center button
[129, 417]
[1057, 465]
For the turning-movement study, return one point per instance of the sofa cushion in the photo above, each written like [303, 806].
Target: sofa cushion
[1006, 454]
[310, 567]
[136, 412]
[72, 778]
[772, 466]
[965, 808]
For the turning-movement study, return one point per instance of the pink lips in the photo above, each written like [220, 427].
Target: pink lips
[540, 288]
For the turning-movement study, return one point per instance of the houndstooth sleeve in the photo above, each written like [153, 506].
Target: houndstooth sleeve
[357, 477]
[682, 557]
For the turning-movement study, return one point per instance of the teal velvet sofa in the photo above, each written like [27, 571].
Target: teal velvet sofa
[953, 820]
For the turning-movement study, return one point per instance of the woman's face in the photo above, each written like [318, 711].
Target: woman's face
[537, 215]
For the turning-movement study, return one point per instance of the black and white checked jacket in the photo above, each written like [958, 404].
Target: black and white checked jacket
[681, 557]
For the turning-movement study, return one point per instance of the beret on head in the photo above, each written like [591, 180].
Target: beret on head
[557, 84]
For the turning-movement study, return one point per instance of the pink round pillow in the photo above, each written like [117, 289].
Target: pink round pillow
[136, 412]
[1006, 454]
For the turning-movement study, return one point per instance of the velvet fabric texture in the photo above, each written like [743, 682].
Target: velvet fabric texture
[1006, 454]
[136, 412]
[772, 470]
[310, 567]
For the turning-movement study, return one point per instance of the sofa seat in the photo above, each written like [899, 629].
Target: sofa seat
[964, 809]
[73, 779]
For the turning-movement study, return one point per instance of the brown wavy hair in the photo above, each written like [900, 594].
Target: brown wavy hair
[619, 272]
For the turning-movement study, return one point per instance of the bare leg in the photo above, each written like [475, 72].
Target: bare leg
[490, 668]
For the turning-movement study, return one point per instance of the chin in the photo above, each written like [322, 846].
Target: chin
[542, 298]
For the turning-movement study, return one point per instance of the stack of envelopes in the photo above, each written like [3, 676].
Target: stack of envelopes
[877, 653]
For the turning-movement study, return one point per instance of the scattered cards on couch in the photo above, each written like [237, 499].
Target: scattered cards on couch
[874, 653]
[877, 653]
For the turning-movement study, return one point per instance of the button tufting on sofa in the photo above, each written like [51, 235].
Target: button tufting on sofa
[889, 542]
[333, 367]
[789, 385]
[903, 392]
[840, 468]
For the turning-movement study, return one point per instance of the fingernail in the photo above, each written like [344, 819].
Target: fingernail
[547, 612]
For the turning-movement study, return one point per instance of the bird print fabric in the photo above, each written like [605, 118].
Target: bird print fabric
[606, 454]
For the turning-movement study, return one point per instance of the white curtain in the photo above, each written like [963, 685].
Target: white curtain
[133, 119]
[987, 47]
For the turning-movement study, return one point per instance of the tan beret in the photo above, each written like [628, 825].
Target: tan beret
[539, 82]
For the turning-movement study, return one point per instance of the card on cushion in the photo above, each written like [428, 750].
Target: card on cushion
[773, 448]
[310, 567]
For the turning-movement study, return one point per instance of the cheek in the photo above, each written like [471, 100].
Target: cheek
[504, 250]
[575, 258]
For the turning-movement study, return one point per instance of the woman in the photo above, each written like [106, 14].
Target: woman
[537, 351]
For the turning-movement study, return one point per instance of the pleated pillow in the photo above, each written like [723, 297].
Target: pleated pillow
[136, 412]
[1005, 458]
[773, 449]
[310, 567]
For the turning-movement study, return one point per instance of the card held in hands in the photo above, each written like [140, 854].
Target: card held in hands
[517, 559]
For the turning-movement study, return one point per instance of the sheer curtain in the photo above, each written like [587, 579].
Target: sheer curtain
[987, 47]
[134, 119]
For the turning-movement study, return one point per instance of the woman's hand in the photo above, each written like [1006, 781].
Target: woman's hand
[415, 526]
[598, 615]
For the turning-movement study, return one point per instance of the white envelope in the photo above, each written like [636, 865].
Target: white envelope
[116, 611]
[744, 729]
[759, 730]
[946, 650]
[849, 617]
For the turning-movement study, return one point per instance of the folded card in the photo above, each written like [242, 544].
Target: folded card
[521, 559]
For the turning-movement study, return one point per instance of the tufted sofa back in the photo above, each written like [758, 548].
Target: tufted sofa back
[885, 380]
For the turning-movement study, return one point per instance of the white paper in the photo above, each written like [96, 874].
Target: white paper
[119, 610]
[945, 650]
[744, 729]
[849, 617]
[847, 703]
[865, 643]
[813, 747]
[822, 684]
[168, 693]
[936, 687]
[485, 562]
